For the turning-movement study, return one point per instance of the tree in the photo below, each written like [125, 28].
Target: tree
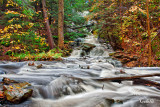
[61, 24]
[49, 34]
[149, 34]
[3, 4]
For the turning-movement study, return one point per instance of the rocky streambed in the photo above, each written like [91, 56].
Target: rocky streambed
[79, 81]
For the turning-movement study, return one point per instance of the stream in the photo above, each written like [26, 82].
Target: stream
[71, 83]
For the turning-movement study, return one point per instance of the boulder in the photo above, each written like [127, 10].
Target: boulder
[125, 60]
[87, 47]
[17, 93]
[8, 81]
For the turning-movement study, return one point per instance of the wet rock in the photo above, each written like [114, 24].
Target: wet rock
[60, 87]
[2, 72]
[125, 60]
[87, 47]
[118, 56]
[105, 103]
[114, 62]
[118, 51]
[76, 42]
[111, 53]
[18, 96]
[39, 66]
[31, 64]
[8, 81]
[84, 66]
[17, 93]
[118, 64]
[121, 71]
[106, 66]
[83, 53]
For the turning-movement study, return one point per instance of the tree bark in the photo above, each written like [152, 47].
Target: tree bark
[146, 83]
[89, 25]
[127, 78]
[61, 24]
[49, 34]
[3, 5]
[149, 34]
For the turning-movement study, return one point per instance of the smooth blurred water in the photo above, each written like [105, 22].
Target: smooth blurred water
[70, 83]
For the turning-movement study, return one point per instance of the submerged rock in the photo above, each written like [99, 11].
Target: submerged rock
[60, 87]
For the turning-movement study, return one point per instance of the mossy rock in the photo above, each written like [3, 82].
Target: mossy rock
[88, 47]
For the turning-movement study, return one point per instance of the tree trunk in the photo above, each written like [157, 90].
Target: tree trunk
[49, 34]
[126, 77]
[149, 34]
[61, 24]
[3, 4]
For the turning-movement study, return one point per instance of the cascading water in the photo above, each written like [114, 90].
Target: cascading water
[70, 83]
[98, 50]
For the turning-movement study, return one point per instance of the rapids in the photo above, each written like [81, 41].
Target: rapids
[70, 83]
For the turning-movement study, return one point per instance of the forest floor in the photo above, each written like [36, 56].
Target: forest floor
[135, 53]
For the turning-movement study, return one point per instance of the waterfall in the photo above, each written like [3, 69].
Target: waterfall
[76, 53]
[99, 50]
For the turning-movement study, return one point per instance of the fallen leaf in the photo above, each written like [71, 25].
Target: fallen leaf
[31, 64]
[1, 94]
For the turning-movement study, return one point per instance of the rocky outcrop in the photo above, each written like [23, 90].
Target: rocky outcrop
[123, 57]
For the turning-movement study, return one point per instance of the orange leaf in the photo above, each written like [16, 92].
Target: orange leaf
[1, 94]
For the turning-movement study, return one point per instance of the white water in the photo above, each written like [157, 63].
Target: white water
[54, 86]
[99, 50]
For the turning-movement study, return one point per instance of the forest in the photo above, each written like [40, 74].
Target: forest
[44, 30]
[29, 28]
[79, 53]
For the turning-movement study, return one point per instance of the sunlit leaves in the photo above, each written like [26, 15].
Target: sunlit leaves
[15, 13]
[1, 94]
[11, 3]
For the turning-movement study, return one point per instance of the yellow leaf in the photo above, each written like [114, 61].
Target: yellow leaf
[15, 31]
[10, 87]
[18, 87]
